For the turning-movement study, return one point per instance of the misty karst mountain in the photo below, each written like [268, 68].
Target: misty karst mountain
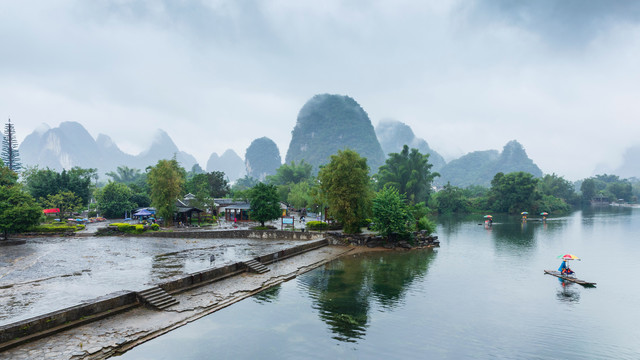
[393, 135]
[60, 148]
[479, 167]
[71, 145]
[262, 158]
[229, 163]
[630, 163]
[328, 123]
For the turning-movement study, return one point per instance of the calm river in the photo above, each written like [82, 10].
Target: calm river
[481, 295]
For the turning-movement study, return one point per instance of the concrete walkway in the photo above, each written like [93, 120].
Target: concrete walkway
[107, 337]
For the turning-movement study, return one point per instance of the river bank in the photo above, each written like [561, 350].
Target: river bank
[116, 334]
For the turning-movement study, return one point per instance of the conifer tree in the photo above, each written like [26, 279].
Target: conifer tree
[10, 155]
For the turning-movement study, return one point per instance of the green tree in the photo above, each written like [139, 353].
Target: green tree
[213, 184]
[300, 195]
[391, 213]
[125, 174]
[166, 180]
[291, 174]
[7, 176]
[409, 172]
[18, 210]
[588, 189]
[265, 204]
[621, 190]
[10, 154]
[557, 186]
[114, 199]
[66, 201]
[245, 183]
[450, 199]
[43, 182]
[513, 192]
[344, 183]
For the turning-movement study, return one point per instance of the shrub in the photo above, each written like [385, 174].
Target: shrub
[128, 228]
[317, 225]
[154, 227]
[425, 224]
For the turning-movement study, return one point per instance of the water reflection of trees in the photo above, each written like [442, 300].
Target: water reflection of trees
[344, 290]
[268, 296]
[514, 235]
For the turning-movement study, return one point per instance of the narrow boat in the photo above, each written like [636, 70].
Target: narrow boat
[569, 278]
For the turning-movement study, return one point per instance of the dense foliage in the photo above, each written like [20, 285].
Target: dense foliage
[513, 192]
[265, 204]
[43, 182]
[344, 184]
[409, 172]
[66, 201]
[166, 180]
[208, 186]
[115, 199]
[609, 187]
[557, 186]
[7, 176]
[125, 174]
[291, 173]
[18, 209]
[451, 199]
[391, 214]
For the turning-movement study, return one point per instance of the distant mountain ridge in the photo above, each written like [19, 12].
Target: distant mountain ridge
[479, 167]
[71, 145]
[229, 162]
[393, 135]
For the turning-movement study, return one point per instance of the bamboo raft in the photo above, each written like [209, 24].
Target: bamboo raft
[569, 278]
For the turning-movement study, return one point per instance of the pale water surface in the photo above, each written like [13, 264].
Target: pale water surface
[481, 295]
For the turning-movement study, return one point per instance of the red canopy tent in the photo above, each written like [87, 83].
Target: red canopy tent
[51, 211]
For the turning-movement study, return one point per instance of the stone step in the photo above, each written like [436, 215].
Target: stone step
[256, 267]
[157, 298]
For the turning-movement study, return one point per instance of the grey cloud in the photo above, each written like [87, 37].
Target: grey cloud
[569, 23]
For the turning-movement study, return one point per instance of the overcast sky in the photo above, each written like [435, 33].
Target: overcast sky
[561, 77]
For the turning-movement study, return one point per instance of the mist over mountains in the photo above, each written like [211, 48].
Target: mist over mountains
[393, 135]
[479, 167]
[71, 145]
[325, 124]
[229, 162]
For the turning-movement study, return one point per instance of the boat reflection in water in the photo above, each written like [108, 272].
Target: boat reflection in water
[568, 293]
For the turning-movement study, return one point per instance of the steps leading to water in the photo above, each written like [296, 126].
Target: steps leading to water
[157, 298]
[256, 267]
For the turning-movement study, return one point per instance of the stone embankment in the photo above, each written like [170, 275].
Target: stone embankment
[99, 328]
[112, 324]
[420, 240]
